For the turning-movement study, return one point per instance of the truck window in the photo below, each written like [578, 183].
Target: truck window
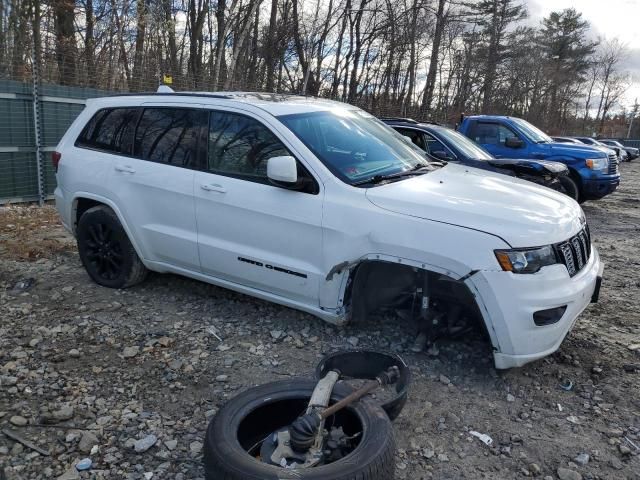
[486, 133]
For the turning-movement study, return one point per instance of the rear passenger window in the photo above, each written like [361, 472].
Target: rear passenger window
[240, 146]
[170, 135]
[111, 130]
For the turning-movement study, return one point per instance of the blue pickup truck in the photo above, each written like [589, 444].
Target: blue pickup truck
[594, 172]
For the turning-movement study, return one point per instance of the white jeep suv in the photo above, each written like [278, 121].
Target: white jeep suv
[317, 205]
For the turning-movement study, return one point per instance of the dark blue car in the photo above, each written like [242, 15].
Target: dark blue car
[447, 144]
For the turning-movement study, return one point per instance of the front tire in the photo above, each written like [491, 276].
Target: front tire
[570, 187]
[105, 250]
[258, 411]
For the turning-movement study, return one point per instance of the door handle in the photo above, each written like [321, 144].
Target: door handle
[124, 169]
[213, 187]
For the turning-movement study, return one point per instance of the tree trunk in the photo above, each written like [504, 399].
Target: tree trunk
[90, 44]
[65, 40]
[357, 51]
[269, 60]
[427, 97]
[335, 83]
[492, 60]
[141, 27]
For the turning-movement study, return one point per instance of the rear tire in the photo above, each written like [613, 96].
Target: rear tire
[105, 250]
[226, 459]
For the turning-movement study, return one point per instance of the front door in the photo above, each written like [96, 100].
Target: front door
[492, 136]
[249, 231]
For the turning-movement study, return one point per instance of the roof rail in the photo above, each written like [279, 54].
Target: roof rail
[399, 119]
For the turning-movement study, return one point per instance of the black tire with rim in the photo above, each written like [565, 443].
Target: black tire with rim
[255, 413]
[570, 187]
[105, 250]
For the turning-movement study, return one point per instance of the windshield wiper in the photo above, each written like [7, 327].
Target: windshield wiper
[415, 170]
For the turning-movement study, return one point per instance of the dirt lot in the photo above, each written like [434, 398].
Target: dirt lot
[83, 365]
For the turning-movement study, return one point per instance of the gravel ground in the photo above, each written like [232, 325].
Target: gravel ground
[89, 372]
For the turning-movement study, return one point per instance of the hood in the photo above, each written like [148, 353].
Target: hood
[531, 167]
[521, 213]
[575, 150]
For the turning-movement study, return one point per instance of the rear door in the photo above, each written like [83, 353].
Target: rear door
[249, 231]
[154, 184]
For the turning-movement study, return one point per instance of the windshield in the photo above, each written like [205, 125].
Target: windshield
[467, 148]
[354, 145]
[534, 133]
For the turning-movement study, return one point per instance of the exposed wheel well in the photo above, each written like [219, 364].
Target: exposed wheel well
[82, 205]
[376, 286]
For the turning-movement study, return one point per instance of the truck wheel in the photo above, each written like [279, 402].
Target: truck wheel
[105, 250]
[234, 436]
[570, 187]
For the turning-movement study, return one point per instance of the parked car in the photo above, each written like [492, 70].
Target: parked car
[631, 151]
[446, 144]
[592, 142]
[321, 207]
[594, 172]
[566, 140]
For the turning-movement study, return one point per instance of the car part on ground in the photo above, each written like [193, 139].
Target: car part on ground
[366, 364]
[359, 445]
[306, 431]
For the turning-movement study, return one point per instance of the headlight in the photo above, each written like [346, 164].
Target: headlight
[526, 260]
[598, 163]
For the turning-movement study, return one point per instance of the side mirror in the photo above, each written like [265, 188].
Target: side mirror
[283, 171]
[513, 142]
[442, 155]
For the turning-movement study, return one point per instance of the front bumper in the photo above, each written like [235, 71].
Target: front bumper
[594, 189]
[508, 302]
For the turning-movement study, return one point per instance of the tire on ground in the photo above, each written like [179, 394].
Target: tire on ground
[570, 187]
[132, 270]
[226, 459]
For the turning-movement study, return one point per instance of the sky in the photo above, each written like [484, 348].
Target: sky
[608, 19]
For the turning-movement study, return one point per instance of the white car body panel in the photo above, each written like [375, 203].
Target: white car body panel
[474, 198]
[298, 249]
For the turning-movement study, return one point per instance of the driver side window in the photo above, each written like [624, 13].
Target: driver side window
[415, 136]
[434, 145]
[240, 146]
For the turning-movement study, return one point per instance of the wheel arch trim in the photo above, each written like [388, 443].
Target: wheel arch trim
[109, 203]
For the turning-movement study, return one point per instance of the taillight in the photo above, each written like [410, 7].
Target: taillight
[55, 160]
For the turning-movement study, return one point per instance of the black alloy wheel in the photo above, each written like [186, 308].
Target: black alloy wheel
[105, 250]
